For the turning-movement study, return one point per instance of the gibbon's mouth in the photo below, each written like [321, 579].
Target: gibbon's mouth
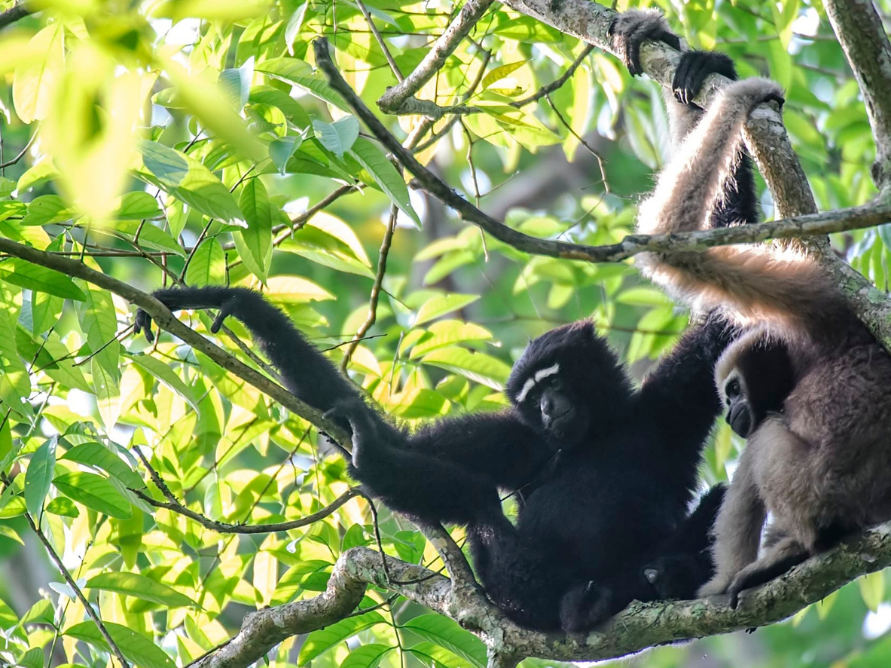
[559, 422]
[740, 419]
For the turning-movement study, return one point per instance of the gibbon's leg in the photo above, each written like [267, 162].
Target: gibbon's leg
[523, 576]
[738, 527]
[778, 559]
[693, 181]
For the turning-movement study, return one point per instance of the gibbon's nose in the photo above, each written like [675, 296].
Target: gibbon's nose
[553, 407]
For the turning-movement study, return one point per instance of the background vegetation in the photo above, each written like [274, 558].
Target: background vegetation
[192, 141]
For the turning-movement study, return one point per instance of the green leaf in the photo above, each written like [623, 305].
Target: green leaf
[288, 105]
[150, 236]
[94, 492]
[281, 150]
[98, 456]
[440, 305]
[39, 476]
[447, 333]
[339, 136]
[34, 82]
[478, 367]
[167, 376]
[108, 393]
[301, 74]
[63, 506]
[323, 639]
[138, 205]
[644, 296]
[139, 586]
[46, 209]
[872, 589]
[446, 633]
[255, 245]
[32, 277]
[99, 322]
[197, 186]
[135, 647]
[169, 166]
[9, 532]
[385, 175]
[208, 265]
[500, 73]
[366, 656]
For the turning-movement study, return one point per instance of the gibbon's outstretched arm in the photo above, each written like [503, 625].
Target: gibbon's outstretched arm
[756, 282]
[306, 372]
[471, 455]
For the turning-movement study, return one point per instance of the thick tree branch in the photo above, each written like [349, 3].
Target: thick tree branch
[392, 101]
[862, 37]
[168, 321]
[638, 627]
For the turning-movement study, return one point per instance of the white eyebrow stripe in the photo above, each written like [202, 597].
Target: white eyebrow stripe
[530, 382]
[527, 387]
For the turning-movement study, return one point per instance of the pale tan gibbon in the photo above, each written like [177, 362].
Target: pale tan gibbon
[807, 385]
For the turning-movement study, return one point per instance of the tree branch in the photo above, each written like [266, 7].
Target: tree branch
[166, 319]
[392, 101]
[765, 133]
[13, 14]
[638, 627]
[862, 37]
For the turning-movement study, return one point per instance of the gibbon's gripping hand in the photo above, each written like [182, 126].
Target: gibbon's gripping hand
[693, 69]
[355, 415]
[632, 28]
[172, 299]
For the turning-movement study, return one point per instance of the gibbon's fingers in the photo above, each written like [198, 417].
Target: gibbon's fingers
[143, 323]
[630, 29]
[694, 68]
[225, 311]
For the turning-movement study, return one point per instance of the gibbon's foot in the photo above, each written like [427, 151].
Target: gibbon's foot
[693, 69]
[630, 29]
[355, 414]
[585, 607]
[715, 587]
[754, 91]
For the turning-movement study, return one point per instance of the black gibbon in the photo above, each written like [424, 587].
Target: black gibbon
[808, 385]
[603, 471]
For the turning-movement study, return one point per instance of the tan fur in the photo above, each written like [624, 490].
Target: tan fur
[823, 463]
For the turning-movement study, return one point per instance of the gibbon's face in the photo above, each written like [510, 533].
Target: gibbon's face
[546, 402]
[565, 381]
[740, 415]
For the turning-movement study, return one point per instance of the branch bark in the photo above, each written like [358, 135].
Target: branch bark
[393, 100]
[638, 627]
[862, 37]
[13, 14]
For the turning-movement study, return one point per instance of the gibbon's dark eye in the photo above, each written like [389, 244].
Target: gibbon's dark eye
[732, 389]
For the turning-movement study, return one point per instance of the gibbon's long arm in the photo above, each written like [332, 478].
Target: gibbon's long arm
[757, 282]
[678, 397]
[494, 450]
[306, 372]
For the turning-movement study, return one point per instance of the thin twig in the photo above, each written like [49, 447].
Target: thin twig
[380, 41]
[13, 14]
[88, 608]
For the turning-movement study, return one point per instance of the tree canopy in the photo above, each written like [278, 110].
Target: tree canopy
[158, 500]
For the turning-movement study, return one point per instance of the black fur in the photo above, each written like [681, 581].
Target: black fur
[602, 484]
[603, 470]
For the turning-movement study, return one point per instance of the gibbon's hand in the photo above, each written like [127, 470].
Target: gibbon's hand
[355, 415]
[143, 321]
[632, 28]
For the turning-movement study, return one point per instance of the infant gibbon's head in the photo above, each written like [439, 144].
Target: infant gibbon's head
[569, 384]
[754, 376]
